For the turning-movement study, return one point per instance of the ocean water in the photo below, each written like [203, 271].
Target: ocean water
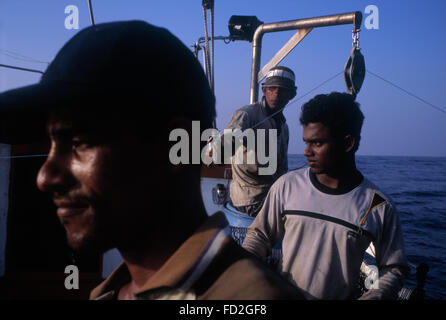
[417, 186]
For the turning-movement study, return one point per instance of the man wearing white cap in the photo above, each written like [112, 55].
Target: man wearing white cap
[248, 187]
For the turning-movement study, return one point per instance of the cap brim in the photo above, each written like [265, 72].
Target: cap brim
[23, 111]
[23, 114]
[279, 85]
[279, 82]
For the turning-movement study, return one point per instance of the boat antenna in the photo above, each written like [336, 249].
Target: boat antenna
[90, 8]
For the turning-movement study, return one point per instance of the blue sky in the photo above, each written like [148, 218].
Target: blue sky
[407, 49]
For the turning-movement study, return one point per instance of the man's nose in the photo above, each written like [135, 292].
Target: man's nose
[280, 93]
[54, 175]
[308, 151]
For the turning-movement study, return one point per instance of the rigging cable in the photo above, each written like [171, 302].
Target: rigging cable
[21, 57]
[20, 68]
[267, 118]
[297, 99]
[331, 78]
[407, 92]
[25, 156]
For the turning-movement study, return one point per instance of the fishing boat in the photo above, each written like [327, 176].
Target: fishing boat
[44, 255]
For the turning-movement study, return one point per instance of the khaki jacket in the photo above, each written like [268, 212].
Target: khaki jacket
[247, 186]
[208, 266]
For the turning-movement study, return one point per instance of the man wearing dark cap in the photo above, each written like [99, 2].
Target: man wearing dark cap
[248, 187]
[108, 168]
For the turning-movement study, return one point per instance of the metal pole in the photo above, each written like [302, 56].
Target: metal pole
[282, 53]
[354, 18]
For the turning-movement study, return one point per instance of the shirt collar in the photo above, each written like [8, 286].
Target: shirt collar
[182, 269]
[338, 191]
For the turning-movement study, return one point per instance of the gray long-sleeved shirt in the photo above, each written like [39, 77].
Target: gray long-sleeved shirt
[322, 247]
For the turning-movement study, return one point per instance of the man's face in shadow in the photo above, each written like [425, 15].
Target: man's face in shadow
[277, 97]
[101, 180]
[323, 152]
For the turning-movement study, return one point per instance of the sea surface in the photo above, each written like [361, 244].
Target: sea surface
[417, 186]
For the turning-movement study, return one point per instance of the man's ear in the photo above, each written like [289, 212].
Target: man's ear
[349, 143]
[263, 90]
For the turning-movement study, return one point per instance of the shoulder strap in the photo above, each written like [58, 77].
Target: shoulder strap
[377, 200]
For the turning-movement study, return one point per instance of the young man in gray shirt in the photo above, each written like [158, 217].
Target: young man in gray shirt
[328, 214]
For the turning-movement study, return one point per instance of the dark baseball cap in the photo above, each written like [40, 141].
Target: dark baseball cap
[127, 67]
